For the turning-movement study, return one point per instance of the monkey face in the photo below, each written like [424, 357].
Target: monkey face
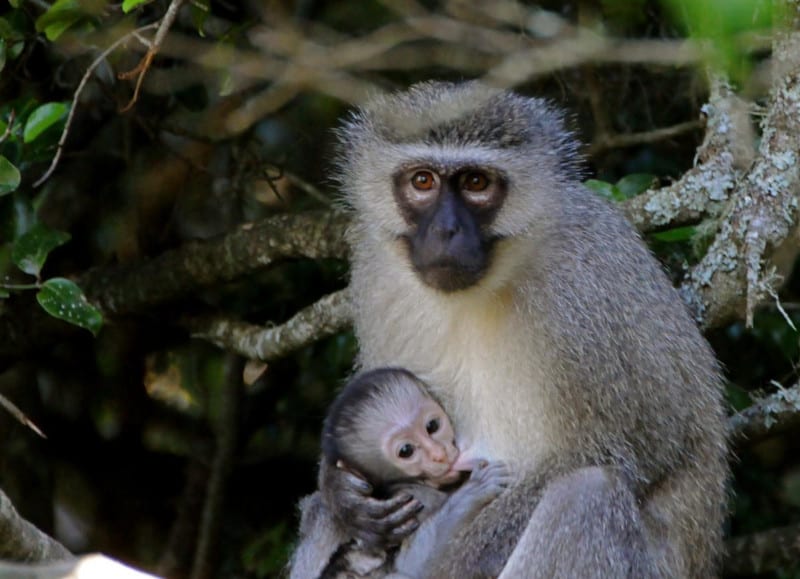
[423, 447]
[449, 211]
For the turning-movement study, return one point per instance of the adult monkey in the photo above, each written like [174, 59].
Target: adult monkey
[547, 330]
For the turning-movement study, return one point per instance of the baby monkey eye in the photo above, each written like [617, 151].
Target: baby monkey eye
[475, 181]
[406, 451]
[423, 180]
[432, 426]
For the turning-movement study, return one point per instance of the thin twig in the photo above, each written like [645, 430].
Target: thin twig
[86, 76]
[307, 188]
[19, 415]
[606, 141]
[227, 439]
[144, 65]
[9, 126]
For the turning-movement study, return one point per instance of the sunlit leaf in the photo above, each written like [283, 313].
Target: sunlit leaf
[9, 176]
[42, 119]
[59, 17]
[635, 183]
[200, 10]
[64, 14]
[675, 235]
[129, 5]
[64, 300]
[605, 190]
[32, 248]
[723, 22]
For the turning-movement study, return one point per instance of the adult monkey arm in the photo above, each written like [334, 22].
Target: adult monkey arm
[418, 555]
[547, 330]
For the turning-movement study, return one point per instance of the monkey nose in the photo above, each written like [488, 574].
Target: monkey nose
[438, 454]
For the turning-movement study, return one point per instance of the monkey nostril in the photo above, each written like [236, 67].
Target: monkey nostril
[448, 231]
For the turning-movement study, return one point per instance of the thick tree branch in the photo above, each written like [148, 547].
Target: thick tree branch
[21, 541]
[135, 288]
[732, 277]
[773, 414]
[329, 315]
[703, 190]
[128, 289]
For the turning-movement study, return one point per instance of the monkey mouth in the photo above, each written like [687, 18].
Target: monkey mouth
[449, 275]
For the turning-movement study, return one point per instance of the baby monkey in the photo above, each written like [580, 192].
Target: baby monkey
[385, 429]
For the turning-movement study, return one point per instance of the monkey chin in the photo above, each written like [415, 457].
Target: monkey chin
[449, 278]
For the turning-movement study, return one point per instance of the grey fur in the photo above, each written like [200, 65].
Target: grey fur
[364, 409]
[573, 351]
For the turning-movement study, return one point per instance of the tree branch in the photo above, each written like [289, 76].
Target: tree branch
[326, 317]
[703, 190]
[773, 414]
[610, 140]
[21, 541]
[144, 65]
[135, 288]
[732, 277]
[227, 436]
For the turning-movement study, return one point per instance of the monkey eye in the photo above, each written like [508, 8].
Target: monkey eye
[406, 451]
[423, 180]
[432, 426]
[475, 181]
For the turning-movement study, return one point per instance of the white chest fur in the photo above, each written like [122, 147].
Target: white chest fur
[467, 346]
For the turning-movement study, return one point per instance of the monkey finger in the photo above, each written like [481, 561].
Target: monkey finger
[355, 483]
[398, 534]
[378, 509]
[402, 515]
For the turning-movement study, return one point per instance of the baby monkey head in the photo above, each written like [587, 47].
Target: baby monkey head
[385, 426]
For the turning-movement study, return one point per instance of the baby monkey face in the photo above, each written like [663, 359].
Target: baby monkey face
[422, 445]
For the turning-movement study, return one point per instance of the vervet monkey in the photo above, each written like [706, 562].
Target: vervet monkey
[385, 428]
[547, 331]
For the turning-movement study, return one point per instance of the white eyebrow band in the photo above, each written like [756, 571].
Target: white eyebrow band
[446, 156]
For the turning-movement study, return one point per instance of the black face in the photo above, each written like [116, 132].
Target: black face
[449, 213]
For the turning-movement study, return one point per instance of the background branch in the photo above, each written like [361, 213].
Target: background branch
[770, 415]
[21, 541]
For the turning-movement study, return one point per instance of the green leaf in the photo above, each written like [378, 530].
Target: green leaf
[605, 190]
[9, 176]
[32, 248]
[15, 3]
[2, 53]
[675, 235]
[200, 9]
[4, 293]
[59, 17]
[635, 183]
[42, 119]
[129, 5]
[64, 300]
